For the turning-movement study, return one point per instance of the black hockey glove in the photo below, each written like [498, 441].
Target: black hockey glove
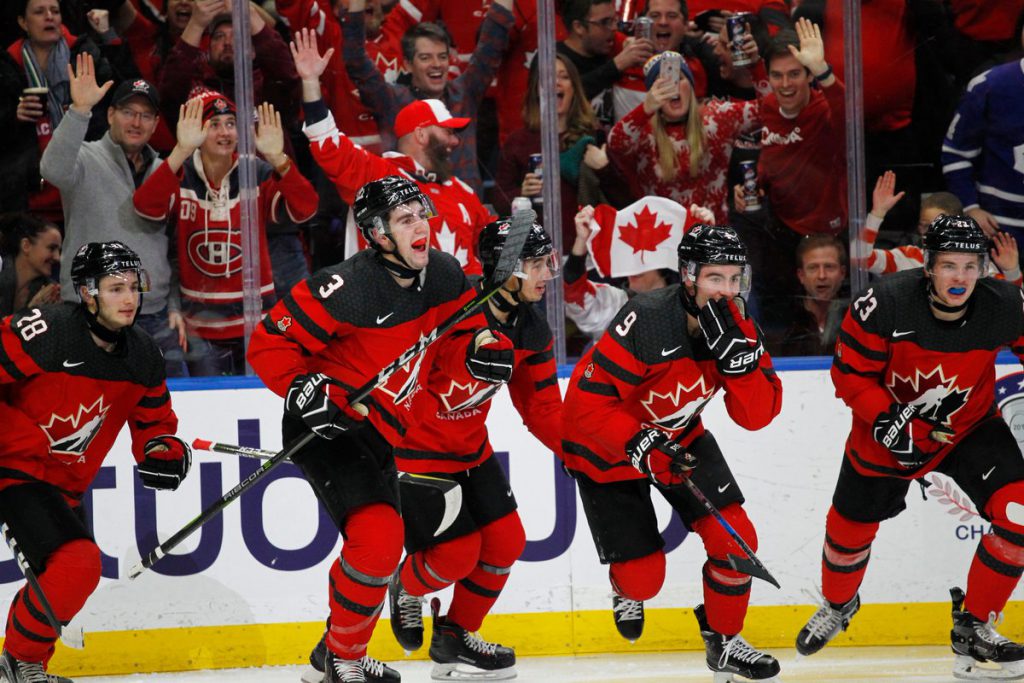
[733, 339]
[309, 399]
[661, 460]
[911, 439]
[490, 357]
[166, 463]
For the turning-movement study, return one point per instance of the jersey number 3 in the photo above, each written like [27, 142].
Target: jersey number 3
[866, 305]
[32, 325]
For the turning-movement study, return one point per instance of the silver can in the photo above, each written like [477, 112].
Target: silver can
[535, 165]
[737, 28]
[750, 194]
[643, 27]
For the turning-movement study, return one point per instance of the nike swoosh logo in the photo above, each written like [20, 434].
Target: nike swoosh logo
[669, 352]
[381, 319]
[902, 334]
[721, 489]
[509, 493]
[69, 364]
[984, 477]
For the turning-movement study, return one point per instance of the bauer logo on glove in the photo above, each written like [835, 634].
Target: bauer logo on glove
[663, 461]
[733, 338]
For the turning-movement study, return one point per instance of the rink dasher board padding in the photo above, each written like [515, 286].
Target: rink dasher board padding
[250, 588]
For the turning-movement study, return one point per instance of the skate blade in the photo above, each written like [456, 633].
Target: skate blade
[311, 675]
[726, 677]
[969, 669]
[464, 672]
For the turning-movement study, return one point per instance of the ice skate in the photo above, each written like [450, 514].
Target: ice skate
[459, 655]
[406, 615]
[733, 659]
[629, 617]
[16, 671]
[980, 652]
[374, 671]
[825, 624]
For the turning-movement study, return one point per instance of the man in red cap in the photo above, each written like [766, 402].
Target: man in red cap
[427, 135]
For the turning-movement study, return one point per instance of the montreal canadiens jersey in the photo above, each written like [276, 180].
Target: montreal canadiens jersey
[351, 320]
[64, 400]
[892, 349]
[447, 430]
[647, 371]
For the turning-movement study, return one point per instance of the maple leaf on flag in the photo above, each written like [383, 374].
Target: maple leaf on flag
[647, 234]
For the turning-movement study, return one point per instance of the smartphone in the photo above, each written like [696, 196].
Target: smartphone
[670, 68]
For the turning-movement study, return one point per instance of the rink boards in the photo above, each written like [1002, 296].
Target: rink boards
[251, 587]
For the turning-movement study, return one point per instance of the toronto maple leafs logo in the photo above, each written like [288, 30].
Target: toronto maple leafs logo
[405, 381]
[469, 395]
[70, 435]
[938, 396]
[647, 233]
[676, 408]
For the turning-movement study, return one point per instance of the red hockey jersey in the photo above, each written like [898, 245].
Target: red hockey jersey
[207, 223]
[461, 216]
[447, 430]
[64, 400]
[647, 371]
[892, 349]
[351, 320]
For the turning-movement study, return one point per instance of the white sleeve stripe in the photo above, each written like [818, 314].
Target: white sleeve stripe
[966, 154]
[1001, 194]
[320, 26]
[956, 166]
[314, 9]
[413, 11]
[1006, 220]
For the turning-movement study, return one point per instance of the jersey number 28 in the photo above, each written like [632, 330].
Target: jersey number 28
[32, 325]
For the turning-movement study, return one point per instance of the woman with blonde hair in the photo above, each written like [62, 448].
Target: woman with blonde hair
[676, 147]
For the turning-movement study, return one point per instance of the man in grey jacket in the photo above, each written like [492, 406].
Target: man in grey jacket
[96, 182]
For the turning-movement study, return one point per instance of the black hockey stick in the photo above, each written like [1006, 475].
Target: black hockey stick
[449, 489]
[72, 637]
[505, 268]
[749, 565]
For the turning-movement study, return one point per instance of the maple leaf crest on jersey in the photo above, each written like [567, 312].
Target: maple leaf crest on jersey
[469, 395]
[70, 435]
[665, 409]
[938, 396]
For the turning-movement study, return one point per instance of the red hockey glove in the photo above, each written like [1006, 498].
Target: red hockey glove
[166, 463]
[733, 339]
[911, 439]
[490, 357]
[664, 462]
[309, 399]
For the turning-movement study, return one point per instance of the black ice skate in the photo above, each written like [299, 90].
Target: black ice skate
[459, 655]
[980, 652]
[374, 671]
[825, 624]
[406, 615]
[16, 671]
[733, 659]
[629, 617]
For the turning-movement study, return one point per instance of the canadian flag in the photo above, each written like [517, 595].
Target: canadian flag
[641, 237]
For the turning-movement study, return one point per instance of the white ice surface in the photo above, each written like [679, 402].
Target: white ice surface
[841, 665]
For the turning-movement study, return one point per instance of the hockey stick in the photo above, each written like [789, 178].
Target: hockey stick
[749, 565]
[450, 490]
[506, 267]
[72, 637]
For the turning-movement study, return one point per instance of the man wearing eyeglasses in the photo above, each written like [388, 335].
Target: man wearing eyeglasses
[597, 51]
[96, 181]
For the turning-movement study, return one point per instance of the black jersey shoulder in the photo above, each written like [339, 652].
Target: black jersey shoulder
[652, 325]
[528, 330]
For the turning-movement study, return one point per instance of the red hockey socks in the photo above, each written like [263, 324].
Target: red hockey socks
[359, 579]
[441, 565]
[726, 591]
[638, 579]
[71, 575]
[999, 560]
[501, 543]
[844, 559]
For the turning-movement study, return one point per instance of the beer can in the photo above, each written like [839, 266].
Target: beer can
[521, 204]
[643, 27]
[535, 165]
[750, 195]
[737, 28]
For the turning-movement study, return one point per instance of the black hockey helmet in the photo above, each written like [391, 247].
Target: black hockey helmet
[97, 259]
[377, 198]
[492, 239]
[959, 234]
[712, 245]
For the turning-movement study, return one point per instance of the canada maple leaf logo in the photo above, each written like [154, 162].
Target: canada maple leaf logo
[939, 397]
[70, 435]
[469, 395]
[647, 234]
[447, 241]
[676, 408]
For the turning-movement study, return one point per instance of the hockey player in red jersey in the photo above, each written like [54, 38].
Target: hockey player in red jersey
[633, 410]
[915, 363]
[328, 336]
[71, 376]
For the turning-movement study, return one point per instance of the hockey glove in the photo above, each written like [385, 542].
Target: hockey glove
[733, 339]
[166, 463]
[661, 460]
[911, 439]
[490, 357]
[309, 399]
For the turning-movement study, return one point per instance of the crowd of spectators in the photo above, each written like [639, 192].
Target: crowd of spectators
[119, 123]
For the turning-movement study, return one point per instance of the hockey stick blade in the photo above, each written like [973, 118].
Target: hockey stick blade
[512, 248]
[69, 635]
[751, 568]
